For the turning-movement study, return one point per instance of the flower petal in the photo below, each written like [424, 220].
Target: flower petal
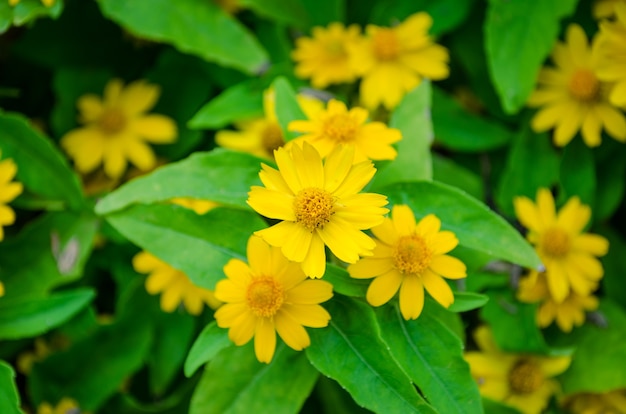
[382, 288]
[411, 297]
[264, 340]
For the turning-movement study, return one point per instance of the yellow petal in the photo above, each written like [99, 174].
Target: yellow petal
[557, 281]
[591, 243]
[428, 226]
[157, 129]
[264, 340]
[527, 213]
[382, 288]
[139, 97]
[313, 316]
[237, 272]
[403, 220]
[310, 292]
[294, 335]
[411, 297]
[272, 204]
[448, 266]
[545, 206]
[314, 264]
[243, 329]
[438, 288]
[140, 154]
[369, 267]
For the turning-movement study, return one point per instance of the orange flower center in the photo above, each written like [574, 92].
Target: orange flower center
[525, 377]
[313, 207]
[272, 138]
[112, 121]
[386, 46]
[412, 255]
[341, 128]
[555, 242]
[265, 296]
[584, 85]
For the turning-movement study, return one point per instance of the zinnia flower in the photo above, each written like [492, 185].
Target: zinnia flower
[338, 126]
[522, 381]
[566, 252]
[613, 402]
[613, 55]
[394, 60]
[117, 129]
[410, 257]
[8, 191]
[270, 294]
[572, 97]
[318, 204]
[324, 57]
[175, 286]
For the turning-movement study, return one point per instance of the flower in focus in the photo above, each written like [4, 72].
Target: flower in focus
[117, 129]
[604, 9]
[270, 295]
[174, 285]
[336, 126]
[572, 97]
[65, 406]
[613, 55]
[318, 204]
[569, 313]
[568, 254]
[410, 257]
[394, 60]
[199, 206]
[522, 381]
[613, 402]
[8, 191]
[47, 3]
[324, 56]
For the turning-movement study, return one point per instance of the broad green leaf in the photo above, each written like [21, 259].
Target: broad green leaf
[467, 301]
[334, 399]
[235, 382]
[23, 318]
[283, 11]
[432, 356]
[472, 222]
[448, 172]
[209, 343]
[351, 352]
[343, 283]
[220, 175]
[40, 166]
[9, 396]
[26, 11]
[614, 266]
[197, 245]
[323, 12]
[610, 170]
[495, 407]
[519, 35]
[287, 107]
[578, 172]
[201, 28]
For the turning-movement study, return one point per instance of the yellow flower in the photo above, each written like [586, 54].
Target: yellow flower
[174, 285]
[394, 60]
[199, 206]
[270, 294]
[65, 406]
[567, 253]
[613, 54]
[613, 402]
[47, 3]
[603, 9]
[522, 381]
[572, 96]
[410, 257]
[569, 313]
[337, 126]
[25, 360]
[262, 136]
[117, 129]
[8, 191]
[324, 57]
[318, 204]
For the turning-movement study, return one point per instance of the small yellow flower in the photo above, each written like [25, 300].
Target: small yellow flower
[613, 55]
[603, 9]
[47, 3]
[613, 402]
[174, 285]
[318, 204]
[394, 60]
[567, 314]
[65, 406]
[117, 129]
[522, 381]
[8, 191]
[338, 126]
[324, 56]
[567, 253]
[199, 206]
[410, 257]
[270, 295]
[572, 97]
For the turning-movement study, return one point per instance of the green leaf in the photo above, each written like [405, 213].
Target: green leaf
[467, 301]
[519, 35]
[608, 196]
[220, 175]
[26, 11]
[209, 343]
[323, 12]
[40, 166]
[24, 318]
[578, 172]
[197, 245]
[283, 11]
[201, 28]
[351, 352]
[280, 387]
[494, 407]
[472, 222]
[448, 172]
[9, 396]
[287, 107]
[614, 266]
[344, 284]
[432, 356]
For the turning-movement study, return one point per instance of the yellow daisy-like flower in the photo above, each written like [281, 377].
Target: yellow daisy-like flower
[117, 129]
[338, 126]
[613, 402]
[47, 3]
[199, 206]
[175, 286]
[8, 191]
[410, 257]
[569, 313]
[270, 295]
[324, 57]
[318, 204]
[613, 55]
[567, 253]
[392, 61]
[522, 381]
[65, 406]
[572, 97]
[604, 9]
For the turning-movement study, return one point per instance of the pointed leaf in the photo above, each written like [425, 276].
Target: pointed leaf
[9, 396]
[209, 343]
[287, 107]
[467, 301]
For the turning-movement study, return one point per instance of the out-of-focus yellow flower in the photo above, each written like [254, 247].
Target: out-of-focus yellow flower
[65, 406]
[25, 360]
[603, 9]
[8, 191]
[47, 3]
[613, 402]
[199, 206]
[612, 46]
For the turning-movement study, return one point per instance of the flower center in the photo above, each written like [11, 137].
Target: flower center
[555, 242]
[112, 121]
[272, 138]
[265, 296]
[336, 49]
[313, 207]
[584, 85]
[341, 128]
[411, 255]
[386, 46]
[525, 377]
